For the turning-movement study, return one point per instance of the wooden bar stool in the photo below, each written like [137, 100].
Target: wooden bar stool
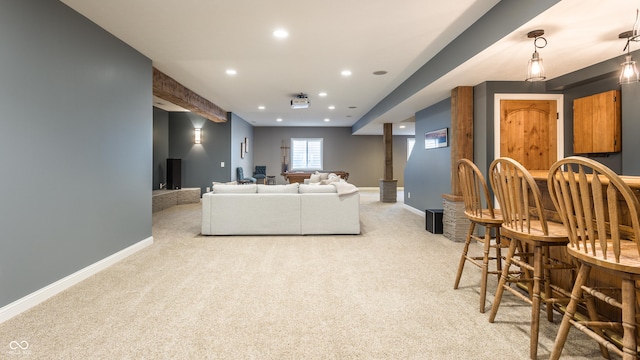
[525, 224]
[601, 214]
[474, 193]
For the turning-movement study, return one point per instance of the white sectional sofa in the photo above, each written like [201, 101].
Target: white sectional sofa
[292, 209]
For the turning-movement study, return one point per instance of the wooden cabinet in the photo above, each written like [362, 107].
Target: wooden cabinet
[596, 123]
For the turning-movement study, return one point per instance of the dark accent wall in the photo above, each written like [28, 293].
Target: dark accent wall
[362, 155]
[425, 176]
[76, 138]
[630, 129]
[160, 146]
[200, 162]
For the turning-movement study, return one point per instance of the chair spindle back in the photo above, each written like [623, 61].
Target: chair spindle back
[594, 205]
[518, 195]
[474, 190]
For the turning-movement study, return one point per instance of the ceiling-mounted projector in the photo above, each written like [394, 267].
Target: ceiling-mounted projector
[300, 102]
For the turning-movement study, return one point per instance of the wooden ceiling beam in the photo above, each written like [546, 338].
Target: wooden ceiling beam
[170, 90]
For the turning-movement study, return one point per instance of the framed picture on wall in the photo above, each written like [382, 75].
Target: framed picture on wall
[436, 139]
[242, 150]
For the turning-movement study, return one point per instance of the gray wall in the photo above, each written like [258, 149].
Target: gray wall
[240, 129]
[427, 175]
[362, 156]
[76, 140]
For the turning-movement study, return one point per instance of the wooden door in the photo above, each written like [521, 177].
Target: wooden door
[528, 132]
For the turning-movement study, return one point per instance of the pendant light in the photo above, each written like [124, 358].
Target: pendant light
[535, 68]
[629, 71]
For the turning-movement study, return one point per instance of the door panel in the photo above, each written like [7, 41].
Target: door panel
[528, 132]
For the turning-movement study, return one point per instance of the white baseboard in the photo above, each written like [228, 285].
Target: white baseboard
[35, 298]
[414, 210]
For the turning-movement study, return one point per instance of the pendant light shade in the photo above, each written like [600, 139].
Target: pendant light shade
[629, 72]
[535, 68]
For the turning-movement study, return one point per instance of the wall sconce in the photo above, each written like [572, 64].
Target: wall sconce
[535, 68]
[197, 136]
[629, 72]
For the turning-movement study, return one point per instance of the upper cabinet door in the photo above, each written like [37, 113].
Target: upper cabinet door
[596, 123]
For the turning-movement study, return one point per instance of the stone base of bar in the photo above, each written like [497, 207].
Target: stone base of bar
[455, 224]
[163, 199]
[388, 191]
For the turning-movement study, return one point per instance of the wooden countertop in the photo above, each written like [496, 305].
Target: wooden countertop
[632, 181]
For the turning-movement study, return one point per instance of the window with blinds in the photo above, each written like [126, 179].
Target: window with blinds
[306, 154]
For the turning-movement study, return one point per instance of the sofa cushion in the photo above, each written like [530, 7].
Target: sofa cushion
[308, 188]
[234, 189]
[288, 188]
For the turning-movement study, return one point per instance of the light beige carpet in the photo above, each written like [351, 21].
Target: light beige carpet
[385, 294]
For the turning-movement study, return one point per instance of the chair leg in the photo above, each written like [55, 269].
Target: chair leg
[485, 268]
[463, 258]
[593, 316]
[576, 296]
[503, 280]
[629, 319]
[535, 299]
[498, 250]
[547, 283]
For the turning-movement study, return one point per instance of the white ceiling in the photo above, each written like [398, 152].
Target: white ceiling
[196, 41]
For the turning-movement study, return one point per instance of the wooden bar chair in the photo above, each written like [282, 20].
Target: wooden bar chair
[525, 224]
[600, 213]
[474, 193]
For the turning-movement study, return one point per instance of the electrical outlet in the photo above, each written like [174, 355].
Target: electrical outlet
[408, 195]
[222, 164]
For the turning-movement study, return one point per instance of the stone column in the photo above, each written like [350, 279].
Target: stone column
[388, 185]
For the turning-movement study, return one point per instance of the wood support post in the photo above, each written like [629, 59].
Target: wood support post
[461, 131]
[388, 185]
[168, 89]
[454, 223]
[388, 151]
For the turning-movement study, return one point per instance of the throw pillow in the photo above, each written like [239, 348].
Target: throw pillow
[315, 178]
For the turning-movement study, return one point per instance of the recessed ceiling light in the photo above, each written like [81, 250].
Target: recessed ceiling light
[327, 120]
[261, 107]
[402, 126]
[331, 107]
[379, 72]
[322, 94]
[231, 72]
[346, 73]
[281, 33]
[279, 119]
